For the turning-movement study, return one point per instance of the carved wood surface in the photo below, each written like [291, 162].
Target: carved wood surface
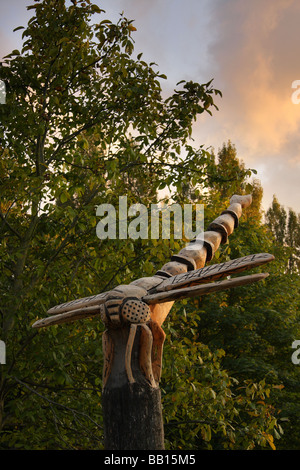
[108, 354]
[196, 291]
[157, 349]
[213, 272]
[184, 280]
[132, 415]
[145, 354]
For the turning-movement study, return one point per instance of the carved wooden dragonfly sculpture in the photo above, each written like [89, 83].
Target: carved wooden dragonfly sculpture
[146, 302]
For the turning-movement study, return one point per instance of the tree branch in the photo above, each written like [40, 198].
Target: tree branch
[5, 222]
[52, 402]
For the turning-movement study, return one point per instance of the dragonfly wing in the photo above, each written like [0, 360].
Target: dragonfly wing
[73, 310]
[90, 301]
[69, 316]
[212, 272]
[199, 290]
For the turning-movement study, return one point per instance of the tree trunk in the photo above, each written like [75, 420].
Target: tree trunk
[133, 418]
[132, 410]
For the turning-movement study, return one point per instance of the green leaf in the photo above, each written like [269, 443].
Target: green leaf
[64, 196]
[19, 27]
[96, 9]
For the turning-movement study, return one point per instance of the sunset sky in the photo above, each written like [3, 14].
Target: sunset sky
[250, 49]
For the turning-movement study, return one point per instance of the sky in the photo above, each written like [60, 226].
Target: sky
[249, 49]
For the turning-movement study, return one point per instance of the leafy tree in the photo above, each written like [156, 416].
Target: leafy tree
[217, 392]
[207, 406]
[293, 240]
[256, 327]
[85, 122]
[228, 174]
[276, 219]
[285, 227]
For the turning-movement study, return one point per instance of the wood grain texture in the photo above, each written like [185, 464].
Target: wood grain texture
[204, 289]
[145, 354]
[67, 317]
[157, 349]
[244, 201]
[128, 353]
[132, 416]
[214, 272]
[108, 352]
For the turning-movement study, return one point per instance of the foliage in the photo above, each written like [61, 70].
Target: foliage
[256, 326]
[85, 122]
[285, 227]
[205, 406]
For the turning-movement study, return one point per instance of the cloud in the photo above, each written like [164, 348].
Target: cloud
[255, 62]
[13, 14]
[251, 51]
[257, 88]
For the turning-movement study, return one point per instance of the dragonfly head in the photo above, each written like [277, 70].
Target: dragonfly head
[125, 305]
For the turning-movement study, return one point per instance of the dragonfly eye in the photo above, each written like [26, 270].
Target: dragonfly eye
[135, 311]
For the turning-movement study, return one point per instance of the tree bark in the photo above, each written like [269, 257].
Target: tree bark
[132, 411]
[133, 418]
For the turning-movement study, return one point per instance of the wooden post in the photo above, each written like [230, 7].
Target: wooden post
[132, 411]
